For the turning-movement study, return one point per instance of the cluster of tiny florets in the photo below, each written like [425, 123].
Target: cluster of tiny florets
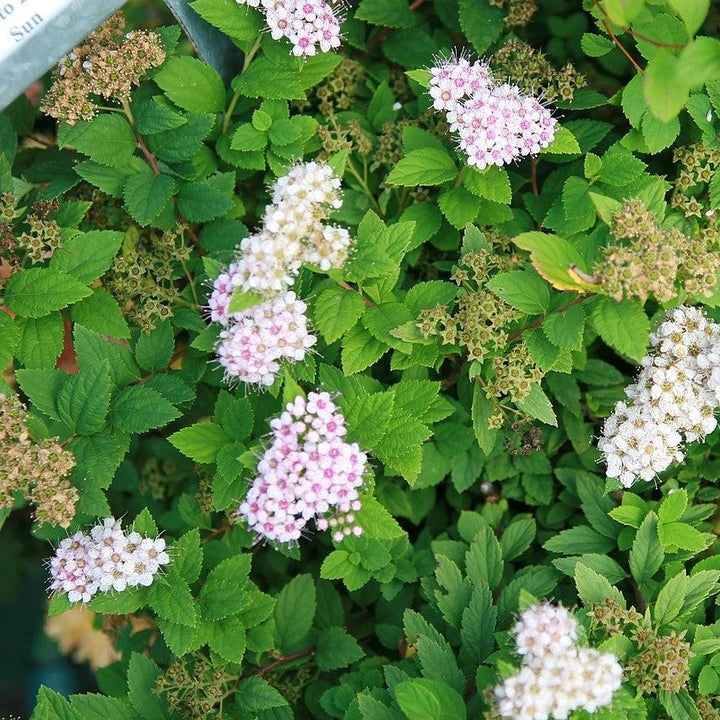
[310, 25]
[519, 63]
[519, 12]
[253, 345]
[108, 64]
[143, 278]
[557, 676]
[656, 662]
[105, 559]
[697, 165]
[38, 470]
[309, 472]
[672, 401]
[496, 124]
[337, 92]
[654, 260]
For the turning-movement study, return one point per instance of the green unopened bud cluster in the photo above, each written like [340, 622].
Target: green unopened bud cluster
[529, 69]
[519, 12]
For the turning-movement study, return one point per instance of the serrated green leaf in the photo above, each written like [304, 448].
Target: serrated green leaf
[37, 292]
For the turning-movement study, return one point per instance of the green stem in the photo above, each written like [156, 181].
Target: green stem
[365, 188]
[249, 55]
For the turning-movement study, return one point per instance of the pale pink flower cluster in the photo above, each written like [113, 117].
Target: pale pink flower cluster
[251, 348]
[105, 559]
[309, 472]
[308, 24]
[292, 234]
[672, 401]
[496, 124]
[557, 676]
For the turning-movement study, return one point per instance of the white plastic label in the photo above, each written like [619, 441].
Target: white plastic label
[21, 19]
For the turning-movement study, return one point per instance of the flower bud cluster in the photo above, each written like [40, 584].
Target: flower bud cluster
[557, 676]
[105, 559]
[671, 402]
[308, 24]
[309, 472]
[292, 234]
[108, 64]
[496, 123]
[37, 470]
[252, 347]
[519, 12]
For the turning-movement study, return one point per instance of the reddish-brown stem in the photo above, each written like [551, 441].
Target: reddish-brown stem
[614, 38]
[536, 323]
[645, 38]
[216, 532]
[282, 660]
[148, 155]
[349, 287]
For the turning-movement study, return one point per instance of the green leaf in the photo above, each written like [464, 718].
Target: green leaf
[691, 12]
[382, 319]
[170, 598]
[336, 311]
[86, 256]
[554, 258]
[481, 23]
[484, 559]
[478, 623]
[493, 183]
[142, 675]
[239, 22]
[154, 350]
[157, 115]
[565, 330]
[537, 405]
[101, 707]
[673, 506]
[294, 613]
[429, 166]
[37, 292]
[84, 399]
[624, 326]
[101, 313]
[388, 13]
[425, 699]
[459, 206]
[666, 87]
[248, 138]
[578, 540]
[646, 553]
[108, 179]
[187, 555]
[657, 133]
[521, 289]
[200, 442]
[368, 418]
[139, 408]
[108, 139]
[594, 588]
[517, 537]
[482, 409]
[564, 143]
[222, 593]
[336, 649]
[679, 705]
[265, 79]
[146, 195]
[50, 705]
[360, 350]
[670, 599]
[227, 638]
[191, 84]
[595, 45]
[681, 535]
[206, 199]
[39, 340]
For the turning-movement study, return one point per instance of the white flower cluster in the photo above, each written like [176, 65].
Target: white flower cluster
[557, 676]
[672, 401]
[105, 559]
[293, 233]
[496, 123]
[307, 24]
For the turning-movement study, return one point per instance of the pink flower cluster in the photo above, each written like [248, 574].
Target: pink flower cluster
[105, 559]
[308, 473]
[307, 24]
[252, 347]
[496, 124]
